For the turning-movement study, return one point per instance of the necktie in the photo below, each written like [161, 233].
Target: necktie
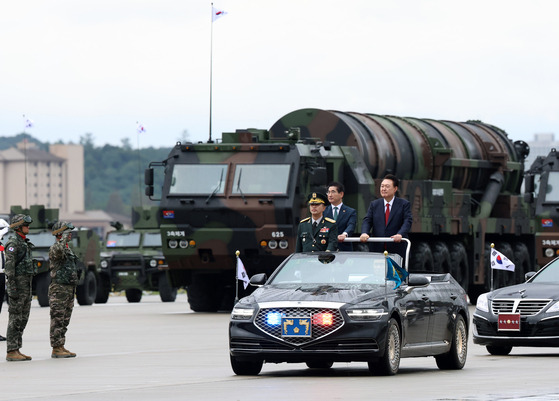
[386, 214]
[314, 224]
[335, 212]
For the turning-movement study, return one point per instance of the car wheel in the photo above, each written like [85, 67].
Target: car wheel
[389, 363]
[166, 292]
[103, 289]
[320, 364]
[497, 350]
[246, 368]
[455, 358]
[87, 292]
[133, 295]
[42, 288]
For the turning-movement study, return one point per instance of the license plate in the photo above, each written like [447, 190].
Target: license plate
[123, 273]
[508, 322]
[296, 327]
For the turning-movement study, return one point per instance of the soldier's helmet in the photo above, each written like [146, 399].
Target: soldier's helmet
[60, 226]
[20, 220]
[317, 197]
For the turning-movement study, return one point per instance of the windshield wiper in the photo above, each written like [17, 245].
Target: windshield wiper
[239, 186]
[216, 188]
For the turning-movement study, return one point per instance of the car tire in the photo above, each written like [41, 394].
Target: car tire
[389, 363]
[246, 368]
[42, 282]
[459, 265]
[166, 292]
[320, 364]
[499, 350]
[103, 289]
[455, 358]
[421, 259]
[87, 292]
[133, 295]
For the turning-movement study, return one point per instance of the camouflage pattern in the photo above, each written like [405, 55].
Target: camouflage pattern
[132, 260]
[63, 262]
[18, 288]
[85, 244]
[19, 258]
[462, 180]
[61, 300]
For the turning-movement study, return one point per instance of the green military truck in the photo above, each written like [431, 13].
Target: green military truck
[132, 260]
[248, 192]
[85, 244]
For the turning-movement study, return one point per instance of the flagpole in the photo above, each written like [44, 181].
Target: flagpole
[385, 275]
[237, 253]
[492, 247]
[211, 70]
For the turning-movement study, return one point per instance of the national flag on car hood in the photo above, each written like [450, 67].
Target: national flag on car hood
[394, 272]
[500, 261]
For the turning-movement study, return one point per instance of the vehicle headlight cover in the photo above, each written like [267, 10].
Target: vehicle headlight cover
[242, 313]
[482, 303]
[366, 313]
[554, 308]
[104, 264]
[153, 263]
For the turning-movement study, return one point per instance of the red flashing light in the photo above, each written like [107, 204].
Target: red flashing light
[323, 319]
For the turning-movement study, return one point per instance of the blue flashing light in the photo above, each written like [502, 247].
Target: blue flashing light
[273, 318]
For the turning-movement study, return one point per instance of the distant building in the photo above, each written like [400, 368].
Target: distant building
[31, 176]
[541, 145]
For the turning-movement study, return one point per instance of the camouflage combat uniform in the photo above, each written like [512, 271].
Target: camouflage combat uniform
[19, 270]
[64, 278]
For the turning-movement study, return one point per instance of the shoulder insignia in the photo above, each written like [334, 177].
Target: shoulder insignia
[307, 219]
[328, 219]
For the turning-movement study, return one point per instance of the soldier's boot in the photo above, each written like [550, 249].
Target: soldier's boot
[27, 357]
[59, 352]
[72, 354]
[14, 356]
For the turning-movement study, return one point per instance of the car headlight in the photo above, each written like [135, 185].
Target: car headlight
[153, 263]
[242, 313]
[549, 253]
[104, 264]
[482, 304]
[366, 314]
[554, 308]
[283, 244]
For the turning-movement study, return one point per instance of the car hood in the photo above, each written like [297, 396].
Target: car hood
[527, 290]
[318, 292]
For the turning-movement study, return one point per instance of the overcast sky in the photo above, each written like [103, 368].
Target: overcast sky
[99, 66]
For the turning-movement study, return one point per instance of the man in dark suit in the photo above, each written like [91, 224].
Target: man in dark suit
[317, 233]
[344, 216]
[392, 221]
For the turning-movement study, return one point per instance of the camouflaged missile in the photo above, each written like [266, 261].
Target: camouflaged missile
[247, 193]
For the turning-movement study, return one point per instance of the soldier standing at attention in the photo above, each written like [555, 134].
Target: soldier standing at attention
[4, 227]
[19, 270]
[317, 233]
[64, 278]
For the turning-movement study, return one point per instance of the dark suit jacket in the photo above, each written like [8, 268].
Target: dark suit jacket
[347, 218]
[399, 222]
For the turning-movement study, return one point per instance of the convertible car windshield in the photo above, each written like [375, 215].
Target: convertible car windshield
[548, 275]
[339, 268]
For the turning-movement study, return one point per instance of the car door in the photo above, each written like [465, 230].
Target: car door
[417, 311]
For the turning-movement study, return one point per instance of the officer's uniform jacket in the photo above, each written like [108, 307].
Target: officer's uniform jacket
[323, 238]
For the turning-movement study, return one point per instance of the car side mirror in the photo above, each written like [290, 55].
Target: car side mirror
[258, 280]
[416, 280]
[529, 275]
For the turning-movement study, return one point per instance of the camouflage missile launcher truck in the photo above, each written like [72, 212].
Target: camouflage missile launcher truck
[248, 193]
[132, 260]
[542, 186]
[85, 244]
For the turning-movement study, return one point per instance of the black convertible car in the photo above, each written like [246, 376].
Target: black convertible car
[522, 315]
[321, 308]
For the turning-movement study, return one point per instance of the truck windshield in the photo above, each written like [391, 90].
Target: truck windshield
[118, 240]
[198, 179]
[552, 189]
[152, 239]
[270, 179]
[41, 240]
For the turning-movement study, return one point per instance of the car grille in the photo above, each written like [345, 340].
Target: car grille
[318, 331]
[526, 307]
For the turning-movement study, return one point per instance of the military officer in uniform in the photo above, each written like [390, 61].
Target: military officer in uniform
[19, 270]
[317, 233]
[64, 278]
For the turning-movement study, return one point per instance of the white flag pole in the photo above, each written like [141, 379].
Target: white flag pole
[237, 253]
[492, 247]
